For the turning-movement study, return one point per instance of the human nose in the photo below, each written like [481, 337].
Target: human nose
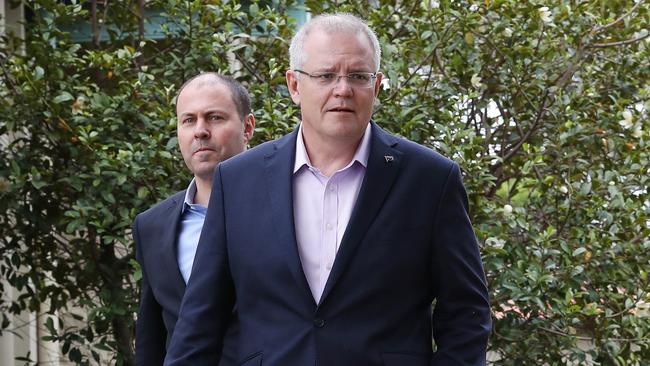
[201, 130]
[342, 86]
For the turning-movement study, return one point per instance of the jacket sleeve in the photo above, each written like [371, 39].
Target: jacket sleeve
[209, 298]
[461, 317]
[150, 331]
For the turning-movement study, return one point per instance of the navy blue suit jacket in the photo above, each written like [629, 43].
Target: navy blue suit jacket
[409, 242]
[155, 233]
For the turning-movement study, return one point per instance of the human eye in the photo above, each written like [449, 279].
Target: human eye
[187, 119]
[325, 77]
[214, 117]
[363, 77]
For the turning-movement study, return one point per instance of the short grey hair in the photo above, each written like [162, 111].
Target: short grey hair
[332, 23]
[238, 92]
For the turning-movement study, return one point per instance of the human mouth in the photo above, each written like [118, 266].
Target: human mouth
[342, 109]
[202, 149]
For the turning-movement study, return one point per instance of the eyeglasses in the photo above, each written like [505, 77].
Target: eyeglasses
[355, 79]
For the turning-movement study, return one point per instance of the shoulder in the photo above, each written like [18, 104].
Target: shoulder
[417, 155]
[256, 156]
[256, 153]
[162, 207]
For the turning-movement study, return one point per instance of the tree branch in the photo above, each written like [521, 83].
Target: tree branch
[519, 144]
[93, 21]
[415, 71]
[583, 338]
[619, 43]
[249, 68]
[601, 28]
[141, 20]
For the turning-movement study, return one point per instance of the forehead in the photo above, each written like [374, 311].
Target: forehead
[202, 94]
[323, 48]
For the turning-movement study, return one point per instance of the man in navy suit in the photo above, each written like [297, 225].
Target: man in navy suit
[214, 124]
[336, 239]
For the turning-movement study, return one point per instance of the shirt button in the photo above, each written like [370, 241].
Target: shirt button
[328, 266]
[328, 226]
[333, 187]
[318, 322]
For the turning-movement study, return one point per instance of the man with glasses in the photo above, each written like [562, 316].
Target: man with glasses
[356, 233]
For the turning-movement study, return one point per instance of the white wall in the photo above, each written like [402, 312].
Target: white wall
[11, 21]
[20, 338]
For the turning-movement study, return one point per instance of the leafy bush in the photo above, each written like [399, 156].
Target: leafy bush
[544, 105]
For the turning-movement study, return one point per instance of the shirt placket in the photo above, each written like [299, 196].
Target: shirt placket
[330, 228]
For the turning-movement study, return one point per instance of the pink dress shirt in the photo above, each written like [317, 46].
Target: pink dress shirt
[321, 209]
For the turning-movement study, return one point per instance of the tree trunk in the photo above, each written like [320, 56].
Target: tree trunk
[93, 22]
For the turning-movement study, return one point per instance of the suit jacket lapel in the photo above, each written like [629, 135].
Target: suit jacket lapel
[169, 225]
[383, 165]
[279, 173]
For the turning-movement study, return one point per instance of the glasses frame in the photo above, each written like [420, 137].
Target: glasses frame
[317, 76]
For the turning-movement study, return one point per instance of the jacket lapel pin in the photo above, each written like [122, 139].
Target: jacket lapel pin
[389, 158]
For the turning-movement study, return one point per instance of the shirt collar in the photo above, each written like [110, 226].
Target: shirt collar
[361, 155]
[189, 195]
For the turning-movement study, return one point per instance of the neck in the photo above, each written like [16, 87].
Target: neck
[332, 155]
[203, 189]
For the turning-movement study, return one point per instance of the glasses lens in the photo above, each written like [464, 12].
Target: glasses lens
[361, 79]
[357, 79]
[325, 78]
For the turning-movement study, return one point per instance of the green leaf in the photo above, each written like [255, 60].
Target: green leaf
[108, 196]
[38, 73]
[171, 144]
[72, 226]
[38, 184]
[253, 9]
[49, 324]
[143, 192]
[64, 96]
[577, 270]
[578, 251]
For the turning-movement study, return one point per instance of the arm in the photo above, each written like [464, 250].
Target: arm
[150, 333]
[461, 318]
[209, 297]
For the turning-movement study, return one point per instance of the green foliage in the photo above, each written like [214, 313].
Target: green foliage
[544, 104]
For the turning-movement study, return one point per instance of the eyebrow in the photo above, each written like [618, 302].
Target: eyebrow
[216, 110]
[186, 114]
[209, 111]
[350, 71]
[324, 69]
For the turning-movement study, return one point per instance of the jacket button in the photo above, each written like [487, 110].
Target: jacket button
[319, 322]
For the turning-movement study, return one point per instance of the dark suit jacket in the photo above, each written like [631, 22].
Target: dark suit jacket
[409, 242]
[155, 233]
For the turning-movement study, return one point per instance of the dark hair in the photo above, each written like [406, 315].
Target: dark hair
[238, 92]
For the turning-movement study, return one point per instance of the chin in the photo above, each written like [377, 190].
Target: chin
[348, 125]
[204, 169]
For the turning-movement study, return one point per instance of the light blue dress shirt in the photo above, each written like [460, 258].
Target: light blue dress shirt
[192, 217]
